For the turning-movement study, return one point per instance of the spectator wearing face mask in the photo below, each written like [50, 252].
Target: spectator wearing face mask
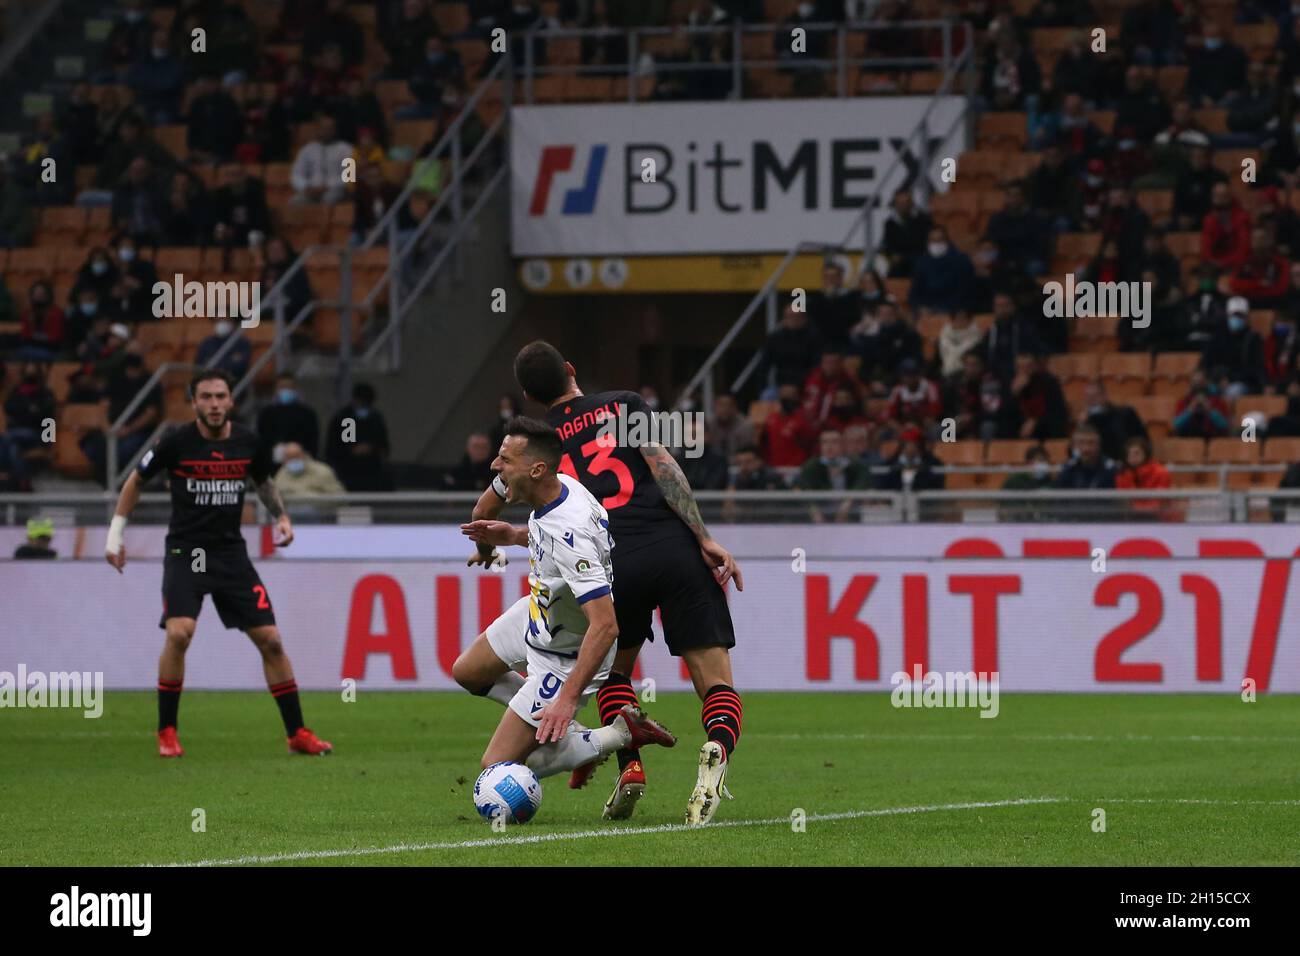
[914, 400]
[1237, 351]
[44, 325]
[822, 383]
[1116, 424]
[789, 435]
[236, 360]
[357, 447]
[941, 278]
[1217, 69]
[302, 475]
[132, 295]
[1037, 474]
[28, 408]
[288, 419]
[99, 273]
[87, 306]
[912, 468]
[832, 470]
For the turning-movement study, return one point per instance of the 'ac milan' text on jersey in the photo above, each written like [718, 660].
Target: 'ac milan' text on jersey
[208, 480]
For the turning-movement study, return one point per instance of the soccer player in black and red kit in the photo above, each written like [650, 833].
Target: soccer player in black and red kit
[208, 463]
[663, 557]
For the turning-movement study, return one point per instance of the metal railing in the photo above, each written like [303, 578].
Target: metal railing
[886, 184]
[735, 65]
[1200, 506]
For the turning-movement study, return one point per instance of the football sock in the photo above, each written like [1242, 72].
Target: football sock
[577, 747]
[721, 716]
[169, 702]
[505, 688]
[616, 693]
[286, 696]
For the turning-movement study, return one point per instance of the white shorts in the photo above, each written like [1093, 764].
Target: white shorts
[546, 672]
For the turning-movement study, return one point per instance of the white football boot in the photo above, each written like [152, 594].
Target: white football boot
[710, 785]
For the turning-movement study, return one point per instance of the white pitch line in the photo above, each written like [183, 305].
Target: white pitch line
[611, 832]
[1084, 738]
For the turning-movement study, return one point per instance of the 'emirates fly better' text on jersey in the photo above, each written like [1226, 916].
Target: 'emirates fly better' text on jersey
[207, 480]
[569, 557]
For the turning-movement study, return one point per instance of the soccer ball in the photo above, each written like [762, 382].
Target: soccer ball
[509, 789]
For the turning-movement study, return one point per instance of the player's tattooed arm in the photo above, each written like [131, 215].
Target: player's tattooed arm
[668, 475]
[269, 495]
[670, 478]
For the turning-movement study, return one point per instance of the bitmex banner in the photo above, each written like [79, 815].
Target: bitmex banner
[754, 176]
[1041, 624]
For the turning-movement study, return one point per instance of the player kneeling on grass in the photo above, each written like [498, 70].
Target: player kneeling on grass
[563, 632]
[208, 463]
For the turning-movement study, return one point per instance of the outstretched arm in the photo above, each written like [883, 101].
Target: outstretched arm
[676, 490]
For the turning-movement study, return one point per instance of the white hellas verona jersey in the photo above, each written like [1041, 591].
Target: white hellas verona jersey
[569, 560]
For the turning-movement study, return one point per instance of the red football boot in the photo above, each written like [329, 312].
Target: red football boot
[168, 745]
[629, 789]
[305, 742]
[581, 776]
[645, 730]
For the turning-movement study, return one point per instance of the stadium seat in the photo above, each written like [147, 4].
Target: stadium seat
[1074, 366]
[1176, 366]
[1058, 450]
[1232, 450]
[965, 452]
[1126, 365]
[1181, 451]
[1006, 132]
[1281, 450]
[1008, 451]
[1154, 409]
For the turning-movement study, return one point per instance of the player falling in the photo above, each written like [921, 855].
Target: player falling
[664, 558]
[564, 630]
[208, 463]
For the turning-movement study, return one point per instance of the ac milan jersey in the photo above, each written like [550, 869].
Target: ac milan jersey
[208, 480]
[617, 476]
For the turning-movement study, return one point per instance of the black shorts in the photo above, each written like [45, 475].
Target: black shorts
[231, 579]
[673, 577]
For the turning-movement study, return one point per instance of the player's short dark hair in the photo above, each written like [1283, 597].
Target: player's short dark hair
[543, 442]
[209, 374]
[539, 370]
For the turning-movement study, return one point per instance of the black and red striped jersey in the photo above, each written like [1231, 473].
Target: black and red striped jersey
[207, 480]
[617, 476]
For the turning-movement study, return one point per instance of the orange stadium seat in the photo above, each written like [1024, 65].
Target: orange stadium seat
[1008, 451]
[1074, 366]
[1281, 450]
[965, 452]
[1181, 451]
[1005, 131]
[1232, 450]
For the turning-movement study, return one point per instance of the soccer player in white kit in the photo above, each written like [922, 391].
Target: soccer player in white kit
[564, 632]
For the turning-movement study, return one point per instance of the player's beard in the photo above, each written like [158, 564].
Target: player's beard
[222, 418]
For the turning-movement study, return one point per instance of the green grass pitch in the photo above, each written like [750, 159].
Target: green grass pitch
[1183, 780]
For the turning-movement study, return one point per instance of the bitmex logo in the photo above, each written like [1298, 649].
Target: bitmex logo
[559, 159]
